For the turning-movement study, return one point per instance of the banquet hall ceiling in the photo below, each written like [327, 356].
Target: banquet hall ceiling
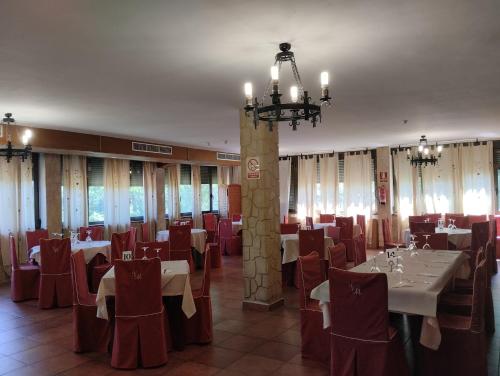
[173, 71]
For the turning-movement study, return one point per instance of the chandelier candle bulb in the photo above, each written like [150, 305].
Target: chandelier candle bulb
[426, 151]
[275, 75]
[294, 94]
[420, 148]
[440, 148]
[324, 80]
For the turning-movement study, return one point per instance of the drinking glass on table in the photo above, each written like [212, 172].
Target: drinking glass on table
[440, 224]
[453, 227]
[158, 252]
[399, 270]
[88, 239]
[412, 247]
[374, 268]
[426, 245]
[144, 249]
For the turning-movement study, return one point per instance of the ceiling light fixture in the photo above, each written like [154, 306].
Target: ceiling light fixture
[300, 107]
[424, 156]
[9, 152]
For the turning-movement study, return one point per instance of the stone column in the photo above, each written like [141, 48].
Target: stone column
[50, 192]
[384, 169]
[160, 199]
[260, 212]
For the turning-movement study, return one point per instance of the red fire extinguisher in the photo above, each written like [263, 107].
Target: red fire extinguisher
[382, 195]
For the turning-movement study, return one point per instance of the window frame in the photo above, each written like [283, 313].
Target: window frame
[137, 219]
[211, 182]
[186, 214]
[93, 223]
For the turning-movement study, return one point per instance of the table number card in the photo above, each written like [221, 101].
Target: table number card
[391, 257]
[127, 256]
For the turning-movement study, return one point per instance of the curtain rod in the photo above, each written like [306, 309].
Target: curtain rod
[330, 154]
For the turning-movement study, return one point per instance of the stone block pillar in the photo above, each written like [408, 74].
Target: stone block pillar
[160, 199]
[261, 217]
[50, 192]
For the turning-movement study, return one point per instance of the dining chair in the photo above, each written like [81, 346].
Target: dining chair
[55, 274]
[432, 217]
[33, 238]
[210, 226]
[145, 232]
[289, 228]
[180, 244]
[96, 233]
[326, 218]
[313, 241]
[230, 244]
[387, 234]
[337, 256]
[362, 341]
[427, 227]
[24, 278]
[437, 241]
[309, 222]
[416, 218]
[476, 219]
[346, 225]
[140, 318]
[90, 333]
[199, 328]
[314, 339]
[461, 221]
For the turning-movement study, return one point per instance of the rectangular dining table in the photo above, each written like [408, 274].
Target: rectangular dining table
[416, 291]
[90, 249]
[198, 238]
[290, 246]
[175, 281]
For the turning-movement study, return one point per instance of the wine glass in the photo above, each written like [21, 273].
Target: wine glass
[412, 247]
[440, 224]
[453, 227]
[426, 245]
[158, 252]
[451, 223]
[88, 239]
[57, 235]
[374, 268]
[399, 270]
[144, 249]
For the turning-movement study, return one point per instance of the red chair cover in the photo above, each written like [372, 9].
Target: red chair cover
[230, 244]
[326, 218]
[427, 227]
[476, 219]
[210, 225]
[214, 248]
[33, 238]
[314, 339]
[313, 241]
[432, 217]
[333, 232]
[359, 250]
[460, 220]
[436, 241]
[90, 334]
[289, 228]
[236, 217]
[479, 239]
[24, 279]
[309, 222]
[346, 225]
[493, 241]
[140, 317]
[417, 218]
[180, 244]
[362, 342]
[361, 221]
[337, 256]
[387, 234]
[96, 233]
[55, 275]
[145, 232]
[463, 348]
[132, 238]
[119, 243]
[198, 328]
[164, 250]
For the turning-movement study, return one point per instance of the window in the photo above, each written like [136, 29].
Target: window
[340, 194]
[185, 191]
[167, 198]
[136, 191]
[95, 182]
[209, 189]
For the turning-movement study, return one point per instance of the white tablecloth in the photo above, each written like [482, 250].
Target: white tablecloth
[290, 245]
[356, 230]
[90, 249]
[425, 275]
[174, 282]
[460, 237]
[198, 238]
[237, 225]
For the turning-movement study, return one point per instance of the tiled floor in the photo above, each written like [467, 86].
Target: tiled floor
[35, 342]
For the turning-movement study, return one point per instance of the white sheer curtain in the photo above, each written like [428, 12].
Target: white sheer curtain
[477, 178]
[116, 195]
[236, 175]
[150, 197]
[223, 180]
[172, 178]
[307, 187]
[358, 194]
[18, 207]
[74, 180]
[405, 184]
[284, 175]
[329, 181]
[441, 184]
[196, 183]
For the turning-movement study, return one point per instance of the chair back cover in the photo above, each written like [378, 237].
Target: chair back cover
[435, 240]
[309, 272]
[81, 294]
[119, 242]
[427, 227]
[346, 225]
[225, 228]
[359, 250]
[337, 257]
[360, 310]
[312, 241]
[236, 217]
[180, 238]
[210, 222]
[13, 252]
[476, 218]
[432, 217]
[132, 238]
[480, 235]
[54, 256]
[309, 222]
[461, 221]
[96, 232]
[145, 232]
[326, 218]
[416, 218]
[164, 248]
[33, 237]
[478, 298]
[206, 275]
[333, 232]
[138, 287]
[289, 228]
[361, 221]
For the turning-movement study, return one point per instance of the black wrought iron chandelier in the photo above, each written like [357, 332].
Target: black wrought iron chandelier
[300, 106]
[9, 151]
[424, 156]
